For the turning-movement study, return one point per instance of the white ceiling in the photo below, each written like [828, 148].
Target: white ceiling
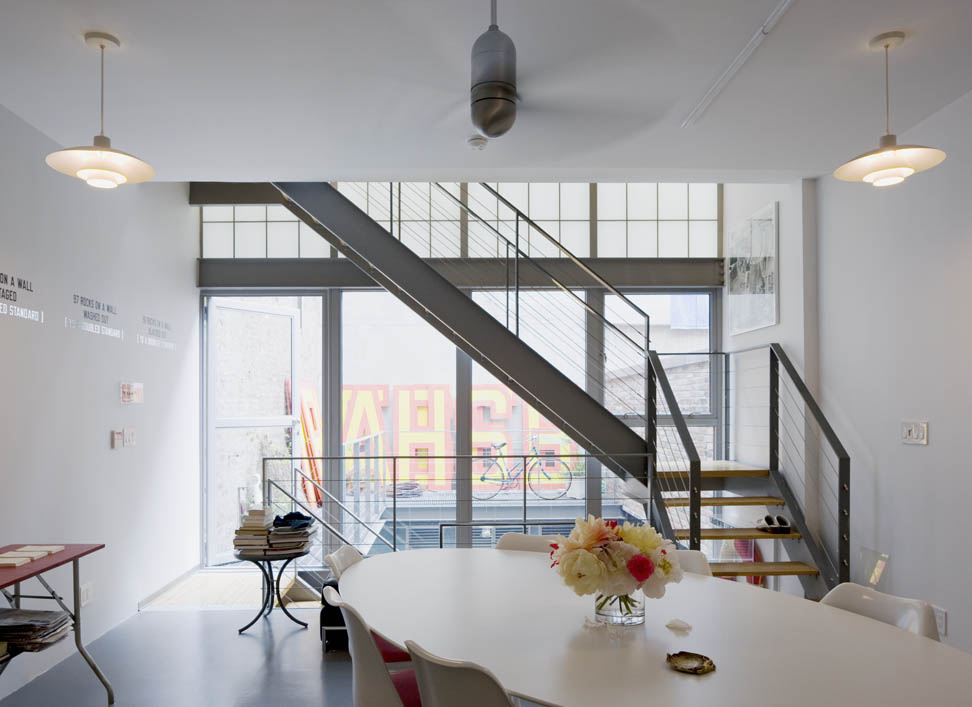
[318, 89]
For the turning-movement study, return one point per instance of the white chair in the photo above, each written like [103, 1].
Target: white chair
[447, 683]
[523, 542]
[341, 559]
[373, 684]
[694, 561]
[912, 615]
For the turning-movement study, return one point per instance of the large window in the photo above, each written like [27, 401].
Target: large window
[623, 220]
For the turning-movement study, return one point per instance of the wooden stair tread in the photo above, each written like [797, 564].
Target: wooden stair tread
[728, 501]
[738, 534]
[718, 470]
[761, 569]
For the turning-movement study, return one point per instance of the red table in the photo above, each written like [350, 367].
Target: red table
[14, 576]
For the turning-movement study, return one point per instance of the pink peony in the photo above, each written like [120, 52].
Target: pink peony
[640, 567]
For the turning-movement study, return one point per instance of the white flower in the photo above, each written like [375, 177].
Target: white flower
[582, 572]
[617, 579]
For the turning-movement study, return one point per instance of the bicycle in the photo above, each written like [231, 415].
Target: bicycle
[498, 475]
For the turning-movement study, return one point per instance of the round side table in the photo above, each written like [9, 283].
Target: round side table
[271, 589]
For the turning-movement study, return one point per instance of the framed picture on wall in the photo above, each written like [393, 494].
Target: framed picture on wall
[753, 271]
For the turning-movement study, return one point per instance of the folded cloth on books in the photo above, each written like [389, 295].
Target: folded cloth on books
[293, 520]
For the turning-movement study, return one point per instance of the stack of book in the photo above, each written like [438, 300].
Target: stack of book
[253, 535]
[29, 630]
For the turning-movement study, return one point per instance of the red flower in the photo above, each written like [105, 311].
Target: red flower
[640, 567]
[612, 524]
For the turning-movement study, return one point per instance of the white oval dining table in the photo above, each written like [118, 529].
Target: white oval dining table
[508, 611]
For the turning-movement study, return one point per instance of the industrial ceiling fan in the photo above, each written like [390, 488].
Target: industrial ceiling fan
[492, 94]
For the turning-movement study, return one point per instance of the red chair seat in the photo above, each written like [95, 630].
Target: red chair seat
[407, 687]
[389, 652]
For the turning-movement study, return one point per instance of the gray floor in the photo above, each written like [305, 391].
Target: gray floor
[188, 658]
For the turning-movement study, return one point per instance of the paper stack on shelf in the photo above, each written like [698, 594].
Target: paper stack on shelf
[30, 630]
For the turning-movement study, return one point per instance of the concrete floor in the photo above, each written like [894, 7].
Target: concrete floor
[190, 658]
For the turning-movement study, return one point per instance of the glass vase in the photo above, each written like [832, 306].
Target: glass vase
[622, 610]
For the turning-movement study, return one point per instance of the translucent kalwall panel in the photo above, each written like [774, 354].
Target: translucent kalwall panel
[356, 192]
[251, 240]
[443, 207]
[672, 201]
[518, 195]
[250, 213]
[704, 201]
[541, 247]
[282, 239]
[643, 201]
[704, 239]
[673, 239]
[483, 242]
[379, 202]
[276, 212]
[642, 239]
[217, 240]
[576, 237]
[217, 213]
[612, 202]
[415, 202]
[575, 202]
[544, 201]
[311, 244]
[611, 237]
[415, 235]
[481, 202]
[445, 239]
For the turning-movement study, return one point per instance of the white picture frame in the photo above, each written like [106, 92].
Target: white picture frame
[753, 271]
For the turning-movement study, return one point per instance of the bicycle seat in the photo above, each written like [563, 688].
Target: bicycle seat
[498, 445]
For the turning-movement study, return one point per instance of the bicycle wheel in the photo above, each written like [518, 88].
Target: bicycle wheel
[488, 482]
[549, 478]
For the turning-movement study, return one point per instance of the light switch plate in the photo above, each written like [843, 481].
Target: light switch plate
[914, 432]
[116, 439]
[86, 590]
[129, 437]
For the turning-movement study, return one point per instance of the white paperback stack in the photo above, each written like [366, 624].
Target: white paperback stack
[253, 536]
[23, 555]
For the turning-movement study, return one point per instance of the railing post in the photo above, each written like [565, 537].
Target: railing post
[843, 523]
[726, 429]
[507, 284]
[774, 412]
[695, 504]
[395, 504]
[525, 491]
[516, 277]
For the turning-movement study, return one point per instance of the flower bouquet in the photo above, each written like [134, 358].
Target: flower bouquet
[620, 564]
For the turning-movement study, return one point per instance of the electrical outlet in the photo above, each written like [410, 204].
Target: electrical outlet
[941, 618]
[86, 592]
[914, 432]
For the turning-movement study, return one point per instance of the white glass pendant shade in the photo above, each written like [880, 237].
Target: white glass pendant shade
[99, 165]
[889, 164]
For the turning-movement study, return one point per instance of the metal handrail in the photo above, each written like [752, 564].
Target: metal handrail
[343, 507]
[319, 519]
[779, 357]
[553, 279]
[573, 258]
[695, 462]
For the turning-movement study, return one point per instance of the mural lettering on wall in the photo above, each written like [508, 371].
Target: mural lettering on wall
[94, 317]
[155, 333]
[15, 291]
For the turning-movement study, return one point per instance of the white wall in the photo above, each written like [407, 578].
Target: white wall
[133, 247]
[896, 344]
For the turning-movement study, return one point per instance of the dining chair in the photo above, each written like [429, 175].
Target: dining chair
[339, 561]
[373, 685]
[523, 542]
[694, 561]
[912, 615]
[446, 683]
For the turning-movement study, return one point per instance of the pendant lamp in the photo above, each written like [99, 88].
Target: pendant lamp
[98, 164]
[890, 163]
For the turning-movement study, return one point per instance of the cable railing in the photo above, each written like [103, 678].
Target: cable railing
[539, 487]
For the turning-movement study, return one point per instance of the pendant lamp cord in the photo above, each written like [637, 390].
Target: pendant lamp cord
[102, 89]
[887, 98]
[492, 13]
